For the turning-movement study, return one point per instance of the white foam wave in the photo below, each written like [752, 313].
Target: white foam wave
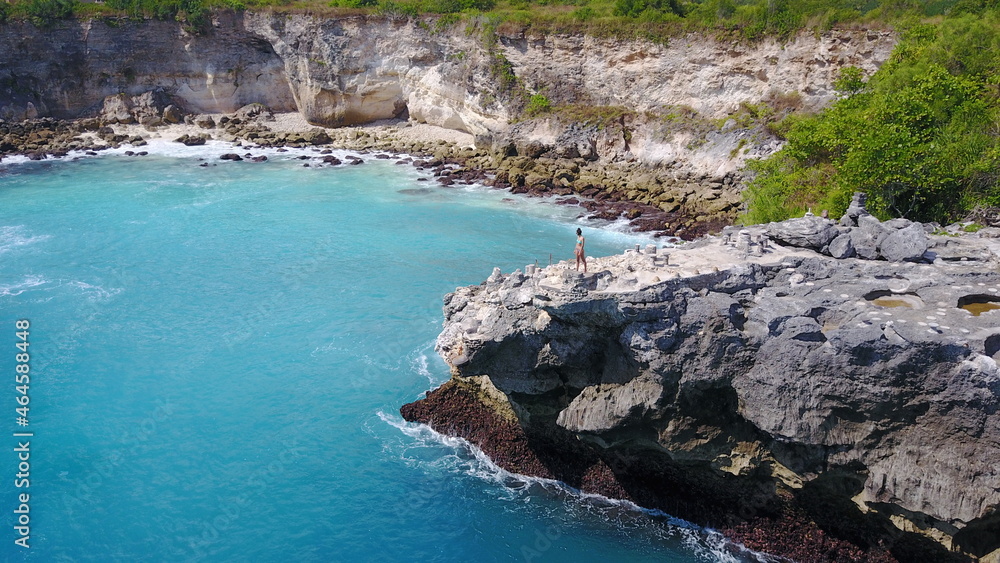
[419, 361]
[94, 292]
[212, 150]
[468, 459]
[27, 283]
[14, 159]
[14, 236]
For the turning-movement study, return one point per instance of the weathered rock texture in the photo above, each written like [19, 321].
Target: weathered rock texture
[826, 400]
[354, 70]
[67, 70]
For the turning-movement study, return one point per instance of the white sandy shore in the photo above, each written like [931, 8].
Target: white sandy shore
[293, 122]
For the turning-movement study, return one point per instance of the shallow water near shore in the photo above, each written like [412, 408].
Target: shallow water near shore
[218, 355]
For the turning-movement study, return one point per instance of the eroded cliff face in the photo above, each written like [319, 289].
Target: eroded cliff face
[713, 77]
[358, 69]
[67, 70]
[863, 394]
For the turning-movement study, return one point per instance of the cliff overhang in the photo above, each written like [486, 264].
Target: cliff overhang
[751, 386]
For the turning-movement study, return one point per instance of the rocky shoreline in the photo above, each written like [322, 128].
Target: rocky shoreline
[816, 405]
[603, 191]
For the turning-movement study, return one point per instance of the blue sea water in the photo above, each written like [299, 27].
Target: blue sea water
[218, 355]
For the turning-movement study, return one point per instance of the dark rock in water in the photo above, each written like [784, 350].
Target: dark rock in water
[416, 191]
[90, 153]
[331, 160]
[382, 156]
[231, 156]
[191, 140]
[302, 157]
[423, 179]
[203, 164]
[260, 158]
[356, 161]
[804, 232]
[129, 153]
[909, 243]
[326, 151]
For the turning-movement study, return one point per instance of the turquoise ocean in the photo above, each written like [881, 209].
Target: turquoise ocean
[218, 355]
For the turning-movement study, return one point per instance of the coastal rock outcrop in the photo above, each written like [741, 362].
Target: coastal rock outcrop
[858, 234]
[818, 408]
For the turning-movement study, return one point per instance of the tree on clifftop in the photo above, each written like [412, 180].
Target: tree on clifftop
[922, 136]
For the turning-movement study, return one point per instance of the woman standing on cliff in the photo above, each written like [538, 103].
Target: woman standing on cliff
[580, 256]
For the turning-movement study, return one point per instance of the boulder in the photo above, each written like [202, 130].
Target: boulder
[316, 136]
[204, 121]
[803, 232]
[873, 228]
[149, 105]
[116, 109]
[842, 247]
[191, 140]
[907, 244]
[254, 111]
[865, 246]
[532, 149]
[172, 114]
[896, 224]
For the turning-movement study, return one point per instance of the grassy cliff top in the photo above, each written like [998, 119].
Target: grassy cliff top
[651, 19]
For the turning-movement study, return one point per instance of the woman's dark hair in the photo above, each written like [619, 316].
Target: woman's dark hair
[579, 232]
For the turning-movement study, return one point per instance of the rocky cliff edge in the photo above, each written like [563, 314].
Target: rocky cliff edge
[819, 408]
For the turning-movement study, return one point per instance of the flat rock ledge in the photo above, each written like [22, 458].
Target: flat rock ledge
[810, 407]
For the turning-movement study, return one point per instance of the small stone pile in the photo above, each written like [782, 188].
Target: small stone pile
[857, 235]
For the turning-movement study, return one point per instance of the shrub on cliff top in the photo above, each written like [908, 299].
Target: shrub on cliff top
[921, 136]
[46, 12]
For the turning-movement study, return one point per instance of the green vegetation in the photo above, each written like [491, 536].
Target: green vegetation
[921, 136]
[653, 19]
[538, 104]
